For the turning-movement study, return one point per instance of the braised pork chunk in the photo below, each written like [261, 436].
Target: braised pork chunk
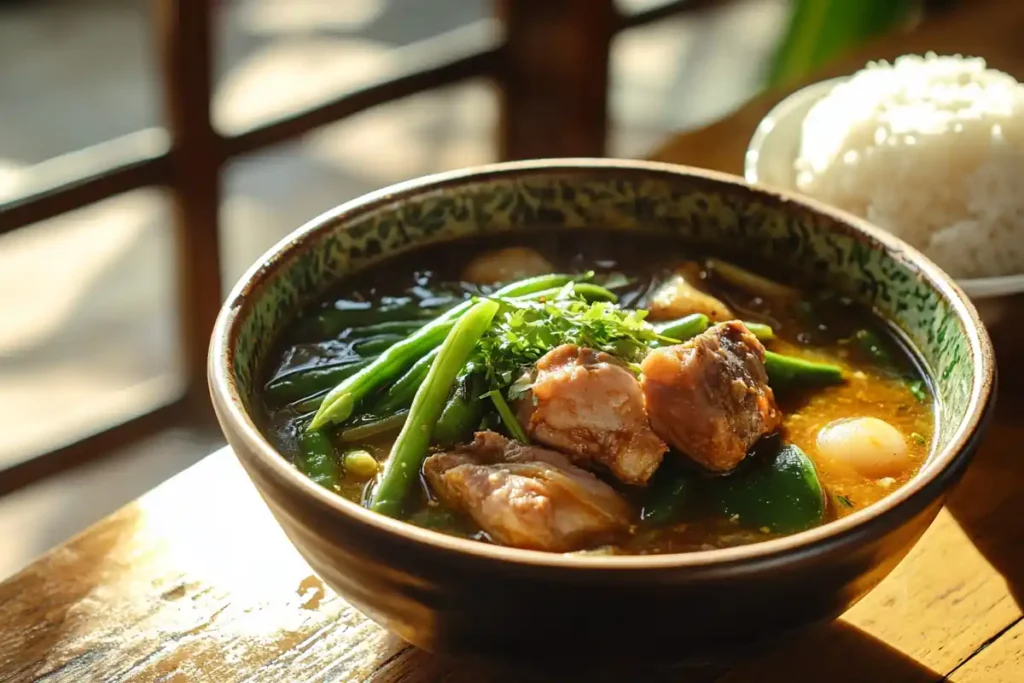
[525, 496]
[709, 397]
[587, 405]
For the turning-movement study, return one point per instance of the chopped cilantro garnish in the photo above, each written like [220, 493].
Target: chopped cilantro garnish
[523, 331]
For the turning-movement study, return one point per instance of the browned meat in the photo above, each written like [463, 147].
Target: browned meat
[527, 497]
[710, 396]
[678, 297]
[586, 405]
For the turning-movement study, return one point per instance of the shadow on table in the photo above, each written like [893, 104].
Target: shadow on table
[987, 502]
[836, 652]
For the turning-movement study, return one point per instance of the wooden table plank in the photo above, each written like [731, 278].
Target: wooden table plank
[1001, 662]
[193, 582]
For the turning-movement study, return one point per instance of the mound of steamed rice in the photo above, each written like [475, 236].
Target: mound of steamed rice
[931, 149]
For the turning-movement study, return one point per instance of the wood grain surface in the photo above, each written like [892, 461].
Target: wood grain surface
[195, 581]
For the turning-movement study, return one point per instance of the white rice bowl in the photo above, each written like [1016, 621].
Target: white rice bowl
[931, 149]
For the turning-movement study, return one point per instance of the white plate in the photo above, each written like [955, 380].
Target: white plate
[769, 161]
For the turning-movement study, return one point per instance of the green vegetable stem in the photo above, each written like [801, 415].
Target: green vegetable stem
[338, 405]
[410, 449]
[300, 385]
[317, 459]
[374, 427]
[785, 372]
[461, 414]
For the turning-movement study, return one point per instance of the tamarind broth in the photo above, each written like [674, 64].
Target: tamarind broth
[882, 381]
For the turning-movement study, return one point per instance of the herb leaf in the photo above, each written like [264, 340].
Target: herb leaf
[523, 331]
[844, 501]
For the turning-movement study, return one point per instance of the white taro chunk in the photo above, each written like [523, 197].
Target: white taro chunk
[871, 447]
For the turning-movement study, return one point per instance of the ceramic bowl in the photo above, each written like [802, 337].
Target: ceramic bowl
[769, 161]
[462, 597]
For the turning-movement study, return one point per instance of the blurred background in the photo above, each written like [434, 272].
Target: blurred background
[103, 304]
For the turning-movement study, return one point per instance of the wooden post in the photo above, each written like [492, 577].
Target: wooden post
[185, 34]
[554, 77]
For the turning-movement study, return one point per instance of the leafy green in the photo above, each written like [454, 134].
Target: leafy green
[523, 331]
[844, 501]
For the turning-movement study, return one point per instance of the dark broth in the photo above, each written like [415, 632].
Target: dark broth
[818, 327]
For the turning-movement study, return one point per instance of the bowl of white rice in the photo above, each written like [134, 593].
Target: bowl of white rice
[928, 148]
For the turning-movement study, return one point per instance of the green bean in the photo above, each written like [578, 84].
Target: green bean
[338, 405]
[318, 461]
[692, 325]
[374, 427]
[304, 383]
[401, 392]
[461, 414]
[760, 330]
[330, 322]
[592, 292]
[786, 371]
[410, 449]
[683, 328]
[374, 346]
[309, 404]
[401, 327]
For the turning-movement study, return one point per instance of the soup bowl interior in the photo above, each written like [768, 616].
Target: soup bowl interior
[439, 592]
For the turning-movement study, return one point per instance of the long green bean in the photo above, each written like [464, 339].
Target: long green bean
[402, 327]
[461, 414]
[401, 392]
[410, 449]
[683, 328]
[317, 460]
[338, 405]
[692, 325]
[374, 427]
[373, 346]
[330, 322]
[787, 371]
[760, 330]
[299, 385]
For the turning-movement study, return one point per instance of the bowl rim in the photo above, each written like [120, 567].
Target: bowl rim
[947, 461]
[989, 286]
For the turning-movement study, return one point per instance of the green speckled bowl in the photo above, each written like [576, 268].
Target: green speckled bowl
[462, 597]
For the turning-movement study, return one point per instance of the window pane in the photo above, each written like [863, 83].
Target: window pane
[89, 333]
[270, 194]
[689, 70]
[278, 56]
[74, 74]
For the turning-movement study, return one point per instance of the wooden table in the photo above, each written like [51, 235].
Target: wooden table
[195, 581]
